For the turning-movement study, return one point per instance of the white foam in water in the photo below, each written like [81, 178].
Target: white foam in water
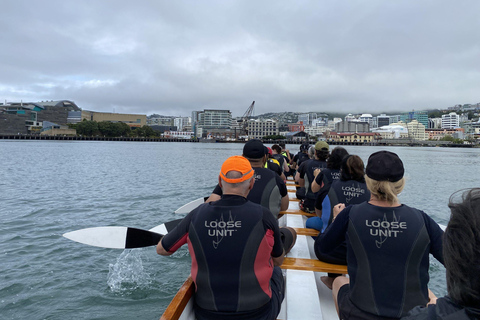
[128, 274]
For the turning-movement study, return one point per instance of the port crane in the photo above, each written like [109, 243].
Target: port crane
[244, 120]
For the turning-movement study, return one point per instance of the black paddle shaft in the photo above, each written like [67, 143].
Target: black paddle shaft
[138, 238]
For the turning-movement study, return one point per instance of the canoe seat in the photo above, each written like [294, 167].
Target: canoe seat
[312, 265]
[297, 211]
[306, 232]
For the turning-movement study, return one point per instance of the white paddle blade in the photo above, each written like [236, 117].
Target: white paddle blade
[190, 206]
[105, 237]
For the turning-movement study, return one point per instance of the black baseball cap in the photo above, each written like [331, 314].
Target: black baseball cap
[385, 166]
[254, 149]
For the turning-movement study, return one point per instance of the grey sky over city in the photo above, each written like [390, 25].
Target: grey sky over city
[173, 57]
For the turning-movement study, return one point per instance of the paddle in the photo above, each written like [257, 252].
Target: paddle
[190, 206]
[121, 237]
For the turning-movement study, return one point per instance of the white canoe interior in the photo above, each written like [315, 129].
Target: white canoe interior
[306, 297]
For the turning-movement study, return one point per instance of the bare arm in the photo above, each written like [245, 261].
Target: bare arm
[161, 251]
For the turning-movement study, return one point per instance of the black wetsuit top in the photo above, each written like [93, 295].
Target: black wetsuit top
[306, 172]
[300, 157]
[347, 192]
[327, 177]
[388, 255]
[268, 190]
[231, 242]
[444, 309]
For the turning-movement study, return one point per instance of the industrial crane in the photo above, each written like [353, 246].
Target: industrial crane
[245, 118]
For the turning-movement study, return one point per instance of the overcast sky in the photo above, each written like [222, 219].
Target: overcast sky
[173, 57]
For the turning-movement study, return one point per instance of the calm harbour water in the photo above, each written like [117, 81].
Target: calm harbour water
[48, 188]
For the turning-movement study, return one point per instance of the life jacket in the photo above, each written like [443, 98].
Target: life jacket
[272, 160]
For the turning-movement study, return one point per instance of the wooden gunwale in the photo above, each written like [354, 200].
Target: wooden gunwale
[178, 303]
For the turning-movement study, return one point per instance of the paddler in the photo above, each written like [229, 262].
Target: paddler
[236, 248]
[387, 247]
[461, 252]
[269, 189]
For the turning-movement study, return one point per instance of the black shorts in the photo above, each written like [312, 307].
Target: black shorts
[349, 311]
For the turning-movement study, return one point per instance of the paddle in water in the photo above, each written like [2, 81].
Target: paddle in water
[121, 237]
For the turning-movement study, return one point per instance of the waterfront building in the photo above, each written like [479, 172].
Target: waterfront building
[416, 130]
[438, 134]
[28, 117]
[257, 129]
[157, 120]
[420, 116]
[352, 127]
[434, 123]
[213, 122]
[315, 131]
[392, 131]
[182, 122]
[395, 118]
[132, 120]
[347, 137]
[350, 118]
[368, 118]
[307, 118]
[383, 120]
[332, 123]
[450, 121]
[179, 134]
[361, 137]
[296, 127]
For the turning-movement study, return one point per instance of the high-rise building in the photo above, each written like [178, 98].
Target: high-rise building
[383, 120]
[211, 121]
[416, 130]
[420, 116]
[368, 118]
[182, 122]
[450, 121]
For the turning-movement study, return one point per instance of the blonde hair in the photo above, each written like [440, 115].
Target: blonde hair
[385, 190]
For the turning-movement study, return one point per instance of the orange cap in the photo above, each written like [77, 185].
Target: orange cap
[236, 163]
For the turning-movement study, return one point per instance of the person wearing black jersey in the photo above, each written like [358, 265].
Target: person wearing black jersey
[288, 159]
[388, 247]
[323, 180]
[273, 164]
[276, 153]
[349, 189]
[236, 247]
[269, 189]
[461, 252]
[305, 174]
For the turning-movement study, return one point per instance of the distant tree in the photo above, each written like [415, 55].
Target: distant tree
[435, 113]
[113, 129]
[452, 139]
[145, 131]
[87, 128]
